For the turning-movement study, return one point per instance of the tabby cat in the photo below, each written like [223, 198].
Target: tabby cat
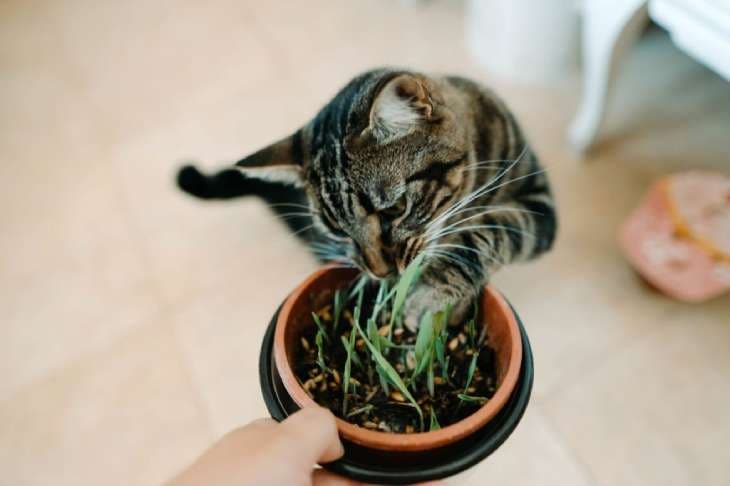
[400, 163]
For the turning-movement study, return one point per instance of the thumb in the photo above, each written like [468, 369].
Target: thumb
[310, 436]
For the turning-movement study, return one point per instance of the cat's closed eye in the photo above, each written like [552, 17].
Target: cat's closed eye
[397, 209]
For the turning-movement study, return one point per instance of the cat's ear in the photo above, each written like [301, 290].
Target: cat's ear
[401, 106]
[278, 162]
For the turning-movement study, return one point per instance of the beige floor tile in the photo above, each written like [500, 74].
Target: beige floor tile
[127, 68]
[655, 412]
[579, 322]
[533, 455]
[73, 279]
[429, 37]
[127, 415]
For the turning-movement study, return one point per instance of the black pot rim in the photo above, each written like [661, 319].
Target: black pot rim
[367, 465]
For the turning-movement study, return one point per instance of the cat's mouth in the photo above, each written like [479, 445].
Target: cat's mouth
[378, 264]
[380, 272]
[383, 264]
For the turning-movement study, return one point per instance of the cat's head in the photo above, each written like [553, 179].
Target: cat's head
[379, 163]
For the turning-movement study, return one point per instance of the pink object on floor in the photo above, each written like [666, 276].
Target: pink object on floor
[678, 239]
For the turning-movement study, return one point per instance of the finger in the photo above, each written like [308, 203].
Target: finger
[260, 428]
[262, 423]
[310, 436]
[320, 477]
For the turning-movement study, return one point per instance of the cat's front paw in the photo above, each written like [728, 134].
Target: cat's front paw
[424, 299]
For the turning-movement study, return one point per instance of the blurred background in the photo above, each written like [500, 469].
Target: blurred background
[131, 315]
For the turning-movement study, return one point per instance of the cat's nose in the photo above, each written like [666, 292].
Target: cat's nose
[381, 272]
[377, 265]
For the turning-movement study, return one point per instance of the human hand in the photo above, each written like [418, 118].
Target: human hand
[265, 452]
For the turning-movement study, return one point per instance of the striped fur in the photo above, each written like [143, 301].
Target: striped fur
[398, 164]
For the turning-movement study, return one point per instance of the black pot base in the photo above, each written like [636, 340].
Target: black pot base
[372, 466]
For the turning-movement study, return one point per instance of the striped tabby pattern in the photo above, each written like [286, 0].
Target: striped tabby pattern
[398, 164]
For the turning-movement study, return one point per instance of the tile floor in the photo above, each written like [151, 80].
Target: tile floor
[131, 315]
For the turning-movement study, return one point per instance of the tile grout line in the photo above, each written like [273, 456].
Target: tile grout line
[278, 51]
[586, 471]
[200, 404]
[591, 365]
[84, 356]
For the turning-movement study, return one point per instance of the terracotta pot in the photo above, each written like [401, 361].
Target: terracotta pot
[503, 334]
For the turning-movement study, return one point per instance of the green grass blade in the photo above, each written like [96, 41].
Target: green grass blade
[388, 344]
[373, 336]
[383, 380]
[320, 326]
[337, 306]
[358, 287]
[439, 322]
[471, 399]
[472, 332]
[439, 347]
[434, 422]
[390, 295]
[403, 286]
[447, 314]
[355, 358]
[470, 373]
[360, 410]
[425, 336]
[350, 349]
[320, 353]
[429, 379]
[390, 373]
[380, 302]
[424, 345]
[358, 306]
[376, 340]
[380, 299]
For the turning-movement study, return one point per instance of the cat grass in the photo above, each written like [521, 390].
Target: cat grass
[359, 360]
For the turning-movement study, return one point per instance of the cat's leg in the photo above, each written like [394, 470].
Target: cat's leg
[288, 202]
[224, 184]
[443, 283]
[462, 261]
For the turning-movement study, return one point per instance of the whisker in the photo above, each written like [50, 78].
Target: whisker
[492, 161]
[294, 205]
[510, 181]
[483, 226]
[486, 164]
[329, 250]
[295, 214]
[449, 256]
[491, 210]
[462, 247]
[301, 230]
[334, 264]
[477, 192]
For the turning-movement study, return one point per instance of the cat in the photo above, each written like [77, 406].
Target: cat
[398, 164]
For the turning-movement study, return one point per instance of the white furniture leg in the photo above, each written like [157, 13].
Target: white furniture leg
[609, 27]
